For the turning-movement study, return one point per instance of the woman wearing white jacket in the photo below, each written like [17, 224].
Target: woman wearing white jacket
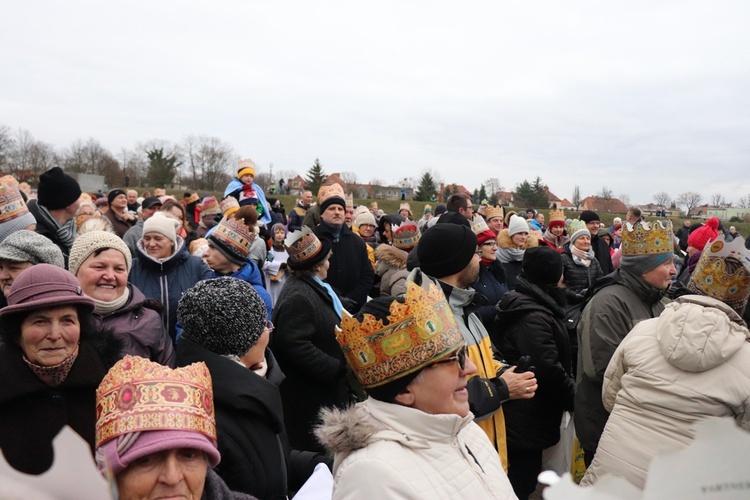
[670, 372]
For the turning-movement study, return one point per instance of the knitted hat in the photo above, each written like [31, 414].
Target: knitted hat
[151, 202]
[365, 218]
[328, 195]
[114, 194]
[210, 206]
[446, 249]
[556, 218]
[440, 209]
[232, 238]
[224, 315]
[160, 223]
[90, 242]
[229, 206]
[723, 272]
[701, 236]
[616, 220]
[428, 208]
[57, 189]
[542, 265]
[44, 285]
[588, 216]
[576, 229]
[143, 407]
[305, 249]
[30, 246]
[13, 212]
[517, 225]
[246, 166]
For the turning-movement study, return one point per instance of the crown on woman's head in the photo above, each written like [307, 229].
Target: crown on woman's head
[646, 238]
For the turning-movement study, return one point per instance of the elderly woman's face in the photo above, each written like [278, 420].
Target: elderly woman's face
[177, 473]
[50, 336]
[105, 276]
[157, 245]
[9, 271]
[366, 230]
[583, 243]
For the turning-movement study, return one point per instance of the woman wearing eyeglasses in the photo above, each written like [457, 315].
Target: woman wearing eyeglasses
[492, 283]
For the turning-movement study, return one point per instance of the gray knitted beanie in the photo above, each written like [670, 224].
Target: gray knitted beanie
[29, 246]
[224, 315]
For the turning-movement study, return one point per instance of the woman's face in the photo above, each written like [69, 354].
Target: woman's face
[519, 239]
[557, 230]
[105, 276]
[488, 250]
[583, 243]
[366, 230]
[177, 473]
[177, 213]
[387, 233]
[279, 234]
[50, 336]
[157, 245]
[9, 271]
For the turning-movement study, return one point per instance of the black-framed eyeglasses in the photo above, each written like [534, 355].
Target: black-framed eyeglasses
[459, 357]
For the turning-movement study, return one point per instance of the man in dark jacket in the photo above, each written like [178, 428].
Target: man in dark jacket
[599, 246]
[298, 213]
[351, 273]
[646, 271]
[682, 234]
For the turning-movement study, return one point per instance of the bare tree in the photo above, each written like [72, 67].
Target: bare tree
[661, 198]
[6, 146]
[287, 175]
[744, 202]
[624, 198]
[91, 157]
[375, 181]
[718, 200]
[492, 186]
[209, 161]
[576, 198]
[349, 177]
[21, 153]
[605, 193]
[42, 157]
[689, 200]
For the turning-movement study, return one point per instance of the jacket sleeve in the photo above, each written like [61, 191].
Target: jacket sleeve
[613, 378]
[603, 326]
[366, 275]
[486, 395]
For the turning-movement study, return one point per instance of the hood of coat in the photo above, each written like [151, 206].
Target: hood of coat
[178, 256]
[394, 257]
[504, 241]
[697, 333]
[248, 272]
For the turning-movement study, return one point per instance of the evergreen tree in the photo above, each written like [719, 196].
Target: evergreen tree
[426, 189]
[315, 177]
[161, 169]
[532, 194]
[475, 197]
[483, 194]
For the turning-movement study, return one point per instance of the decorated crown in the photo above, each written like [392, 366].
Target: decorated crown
[576, 225]
[246, 166]
[233, 236]
[557, 215]
[302, 245]
[229, 205]
[334, 189]
[350, 200]
[210, 206]
[140, 395]
[11, 201]
[496, 211]
[646, 238]
[478, 225]
[723, 272]
[405, 235]
[420, 331]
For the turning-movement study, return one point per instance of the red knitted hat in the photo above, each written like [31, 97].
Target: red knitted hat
[703, 235]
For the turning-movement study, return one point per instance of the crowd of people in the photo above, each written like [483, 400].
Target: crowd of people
[216, 348]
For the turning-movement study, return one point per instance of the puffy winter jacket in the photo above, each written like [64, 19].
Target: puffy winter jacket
[578, 277]
[492, 285]
[391, 267]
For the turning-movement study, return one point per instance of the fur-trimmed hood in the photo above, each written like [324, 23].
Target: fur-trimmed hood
[388, 254]
[504, 241]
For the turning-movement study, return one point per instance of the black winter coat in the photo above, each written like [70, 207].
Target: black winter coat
[492, 285]
[601, 250]
[532, 324]
[576, 277]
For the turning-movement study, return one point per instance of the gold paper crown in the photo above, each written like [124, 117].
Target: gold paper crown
[302, 245]
[496, 211]
[556, 215]
[326, 192]
[419, 331]
[140, 395]
[11, 201]
[647, 238]
[350, 200]
[479, 225]
[405, 235]
[723, 272]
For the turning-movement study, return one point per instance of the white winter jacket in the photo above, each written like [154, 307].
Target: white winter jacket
[389, 451]
[690, 363]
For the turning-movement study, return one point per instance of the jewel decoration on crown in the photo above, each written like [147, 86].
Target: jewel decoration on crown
[419, 331]
[723, 272]
[140, 395]
[302, 245]
[575, 225]
[479, 225]
[405, 235]
[647, 238]
[236, 232]
[11, 201]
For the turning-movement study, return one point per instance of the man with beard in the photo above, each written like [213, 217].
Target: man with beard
[448, 252]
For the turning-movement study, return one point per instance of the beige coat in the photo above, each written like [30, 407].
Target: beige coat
[689, 364]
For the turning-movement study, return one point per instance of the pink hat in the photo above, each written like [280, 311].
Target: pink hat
[45, 285]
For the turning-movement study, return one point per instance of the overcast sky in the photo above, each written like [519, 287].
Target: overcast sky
[640, 96]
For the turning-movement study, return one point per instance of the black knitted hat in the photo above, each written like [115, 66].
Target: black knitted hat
[588, 216]
[446, 249]
[57, 189]
[542, 265]
[224, 315]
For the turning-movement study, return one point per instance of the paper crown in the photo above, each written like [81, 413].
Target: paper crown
[209, 206]
[723, 272]
[11, 201]
[419, 332]
[334, 190]
[233, 239]
[427, 208]
[350, 200]
[244, 167]
[405, 235]
[404, 206]
[576, 225]
[495, 211]
[229, 205]
[557, 216]
[646, 238]
[302, 246]
[140, 395]
[479, 225]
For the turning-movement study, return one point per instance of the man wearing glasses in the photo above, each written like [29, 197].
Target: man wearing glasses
[599, 246]
[415, 436]
[461, 203]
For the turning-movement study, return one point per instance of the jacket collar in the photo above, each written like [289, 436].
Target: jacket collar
[649, 294]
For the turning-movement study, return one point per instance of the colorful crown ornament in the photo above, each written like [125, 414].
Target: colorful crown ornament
[229, 206]
[647, 238]
[246, 166]
[140, 395]
[419, 331]
[209, 206]
[427, 208]
[576, 225]
[233, 239]
[11, 201]
[723, 272]
[496, 211]
[479, 225]
[333, 190]
[302, 245]
[405, 235]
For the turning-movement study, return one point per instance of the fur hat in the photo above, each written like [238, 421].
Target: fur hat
[542, 265]
[90, 242]
[517, 225]
[224, 315]
[13, 212]
[57, 189]
[30, 246]
[705, 234]
[160, 223]
[232, 238]
[446, 249]
[45, 285]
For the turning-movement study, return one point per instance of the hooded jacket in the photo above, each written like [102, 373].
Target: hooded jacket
[250, 273]
[391, 267]
[388, 451]
[689, 364]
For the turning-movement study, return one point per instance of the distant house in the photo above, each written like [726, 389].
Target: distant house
[297, 185]
[598, 204]
[453, 188]
[726, 213]
[566, 205]
[505, 198]
[554, 201]
[700, 212]
[654, 210]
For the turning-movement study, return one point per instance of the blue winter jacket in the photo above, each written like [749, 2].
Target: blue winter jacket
[235, 187]
[250, 273]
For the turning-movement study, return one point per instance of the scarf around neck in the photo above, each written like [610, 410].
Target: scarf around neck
[580, 257]
[65, 233]
[53, 376]
[103, 308]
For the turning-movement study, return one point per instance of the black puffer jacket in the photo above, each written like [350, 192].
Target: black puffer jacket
[492, 285]
[532, 324]
[579, 277]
